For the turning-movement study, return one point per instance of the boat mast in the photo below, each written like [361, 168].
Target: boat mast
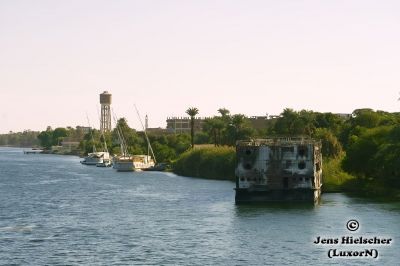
[120, 136]
[105, 149]
[91, 133]
[145, 134]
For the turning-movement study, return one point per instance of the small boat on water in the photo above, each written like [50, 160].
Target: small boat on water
[101, 158]
[33, 151]
[95, 158]
[132, 163]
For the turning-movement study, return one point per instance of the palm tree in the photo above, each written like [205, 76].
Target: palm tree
[192, 112]
[213, 126]
[224, 112]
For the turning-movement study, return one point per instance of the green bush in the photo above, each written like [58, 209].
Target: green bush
[208, 162]
[334, 179]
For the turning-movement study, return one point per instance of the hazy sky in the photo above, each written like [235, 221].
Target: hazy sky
[251, 57]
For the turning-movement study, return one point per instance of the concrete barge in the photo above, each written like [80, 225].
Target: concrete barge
[278, 169]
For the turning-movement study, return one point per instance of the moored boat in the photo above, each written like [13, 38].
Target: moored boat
[278, 169]
[33, 151]
[157, 167]
[95, 158]
[132, 163]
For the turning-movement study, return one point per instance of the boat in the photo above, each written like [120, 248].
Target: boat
[157, 167]
[132, 163]
[95, 158]
[33, 151]
[138, 162]
[105, 163]
[278, 169]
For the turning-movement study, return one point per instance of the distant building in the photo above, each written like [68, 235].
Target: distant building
[84, 130]
[182, 124]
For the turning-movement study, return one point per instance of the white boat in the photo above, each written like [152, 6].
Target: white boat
[98, 158]
[95, 158]
[132, 163]
[137, 162]
[105, 163]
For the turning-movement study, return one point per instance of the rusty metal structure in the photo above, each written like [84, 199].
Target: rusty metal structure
[278, 169]
[105, 116]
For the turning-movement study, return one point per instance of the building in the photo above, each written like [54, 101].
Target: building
[84, 130]
[182, 124]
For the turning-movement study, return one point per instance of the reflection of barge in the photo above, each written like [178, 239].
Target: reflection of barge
[278, 169]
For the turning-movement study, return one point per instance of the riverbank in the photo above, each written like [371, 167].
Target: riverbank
[220, 162]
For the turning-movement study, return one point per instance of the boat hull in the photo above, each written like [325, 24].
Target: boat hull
[91, 162]
[96, 158]
[277, 195]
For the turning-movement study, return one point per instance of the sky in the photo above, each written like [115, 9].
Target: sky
[251, 57]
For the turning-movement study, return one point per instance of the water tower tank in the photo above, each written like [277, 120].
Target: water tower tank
[105, 98]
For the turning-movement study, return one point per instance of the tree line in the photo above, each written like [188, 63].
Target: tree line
[26, 138]
[367, 142]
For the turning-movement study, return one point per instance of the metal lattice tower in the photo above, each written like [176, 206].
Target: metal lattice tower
[105, 117]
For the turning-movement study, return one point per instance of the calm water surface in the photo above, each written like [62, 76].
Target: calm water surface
[55, 211]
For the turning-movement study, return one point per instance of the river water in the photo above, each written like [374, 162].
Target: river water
[55, 211]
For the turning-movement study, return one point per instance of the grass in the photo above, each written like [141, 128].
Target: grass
[334, 179]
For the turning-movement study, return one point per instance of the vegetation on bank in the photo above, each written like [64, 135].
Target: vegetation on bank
[361, 151]
[207, 162]
[26, 138]
[334, 179]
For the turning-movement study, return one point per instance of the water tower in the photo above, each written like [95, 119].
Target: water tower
[105, 119]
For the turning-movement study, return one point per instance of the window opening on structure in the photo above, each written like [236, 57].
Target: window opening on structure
[302, 151]
[301, 165]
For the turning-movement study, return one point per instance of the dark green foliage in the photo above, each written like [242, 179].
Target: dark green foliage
[214, 126]
[227, 129]
[201, 138]
[26, 138]
[210, 162]
[46, 138]
[51, 137]
[292, 123]
[374, 154]
[331, 146]
[135, 144]
[167, 147]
